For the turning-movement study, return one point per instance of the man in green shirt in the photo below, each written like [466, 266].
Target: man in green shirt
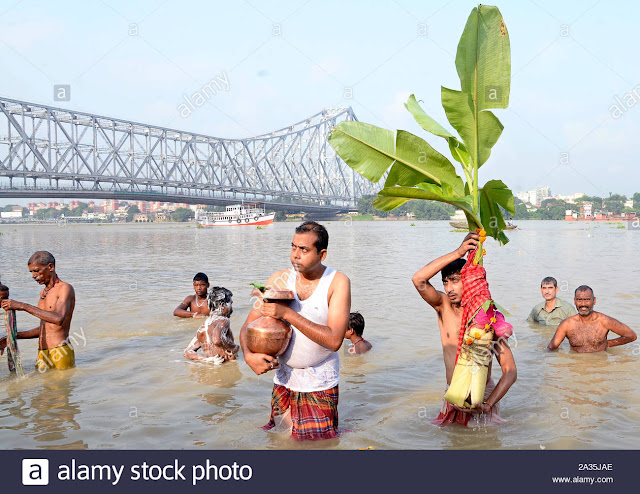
[552, 311]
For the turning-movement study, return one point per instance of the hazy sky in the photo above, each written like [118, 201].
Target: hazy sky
[285, 61]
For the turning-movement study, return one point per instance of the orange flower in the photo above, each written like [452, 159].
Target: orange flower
[469, 341]
[482, 239]
[484, 252]
[487, 326]
[482, 233]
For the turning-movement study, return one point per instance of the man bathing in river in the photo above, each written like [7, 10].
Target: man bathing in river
[195, 305]
[553, 310]
[449, 313]
[305, 391]
[55, 309]
[587, 331]
[215, 337]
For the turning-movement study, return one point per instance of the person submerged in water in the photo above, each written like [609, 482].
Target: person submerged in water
[195, 305]
[354, 334]
[449, 313]
[587, 331]
[55, 310]
[215, 337]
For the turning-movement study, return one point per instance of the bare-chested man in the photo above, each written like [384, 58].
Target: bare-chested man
[55, 309]
[587, 331]
[449, 312]
[215, 337]
[195, 305]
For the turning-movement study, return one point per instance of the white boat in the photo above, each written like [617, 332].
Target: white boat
[458, 216]
[236, 215]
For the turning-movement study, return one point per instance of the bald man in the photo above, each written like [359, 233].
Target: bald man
[587, 331]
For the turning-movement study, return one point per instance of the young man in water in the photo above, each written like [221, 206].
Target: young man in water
[215, 337]
[55, 309]
[305, 391]
[553, 310]
[449, 313]
[195, 305]
[587, 331]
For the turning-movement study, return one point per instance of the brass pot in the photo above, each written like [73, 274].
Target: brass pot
[269, 335]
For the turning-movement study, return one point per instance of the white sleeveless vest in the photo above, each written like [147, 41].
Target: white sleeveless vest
[307, 366]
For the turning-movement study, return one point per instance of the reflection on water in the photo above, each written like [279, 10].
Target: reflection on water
[132, 388]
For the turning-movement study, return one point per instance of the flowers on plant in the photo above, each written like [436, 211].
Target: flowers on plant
[493, 319]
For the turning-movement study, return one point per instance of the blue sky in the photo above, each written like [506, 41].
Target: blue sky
[285, 61]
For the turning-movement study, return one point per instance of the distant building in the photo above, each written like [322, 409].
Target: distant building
[140, 218]
[535, 196]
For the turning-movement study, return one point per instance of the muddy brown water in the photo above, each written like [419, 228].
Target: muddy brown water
[132, 388]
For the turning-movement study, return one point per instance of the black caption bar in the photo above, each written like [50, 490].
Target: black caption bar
[318, 471]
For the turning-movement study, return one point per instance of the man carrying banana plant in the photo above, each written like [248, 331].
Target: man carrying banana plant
[449, 313]
[469, 319]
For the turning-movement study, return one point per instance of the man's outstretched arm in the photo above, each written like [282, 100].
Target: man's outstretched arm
[56, 316]
[421, 279]
[559, 336]
[181, 310]
[626, 334]
[509, 372]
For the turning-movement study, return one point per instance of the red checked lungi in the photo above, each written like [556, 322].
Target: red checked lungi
[314, 415]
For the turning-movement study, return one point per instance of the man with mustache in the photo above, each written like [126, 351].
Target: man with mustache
[587, 331]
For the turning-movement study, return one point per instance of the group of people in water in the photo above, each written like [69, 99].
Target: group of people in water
[305, 393]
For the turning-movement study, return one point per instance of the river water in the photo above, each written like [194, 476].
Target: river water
[132, 388]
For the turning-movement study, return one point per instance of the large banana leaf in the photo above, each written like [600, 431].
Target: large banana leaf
[457, 148]
[483, 60]
[493, 195]
[462, 116]
[371, 151]
[392, 197]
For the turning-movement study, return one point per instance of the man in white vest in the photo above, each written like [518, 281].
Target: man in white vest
[305, 392]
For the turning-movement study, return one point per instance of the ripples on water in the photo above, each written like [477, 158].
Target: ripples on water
[132, 388]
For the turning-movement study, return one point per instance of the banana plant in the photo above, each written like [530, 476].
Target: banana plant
[413, 168]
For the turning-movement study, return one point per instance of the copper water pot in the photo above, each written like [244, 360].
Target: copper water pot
[267, 334]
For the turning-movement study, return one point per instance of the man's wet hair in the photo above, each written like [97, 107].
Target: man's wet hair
[322, 236]
[4, 288]
[356, 322]
[43, 258]
[583, 288]
[549, 279]
[218, 296]
[452, 268]
[201, 277]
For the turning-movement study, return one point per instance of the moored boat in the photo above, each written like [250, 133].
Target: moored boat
[236, 215]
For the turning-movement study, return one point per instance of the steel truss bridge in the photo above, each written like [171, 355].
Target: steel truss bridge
[59, 153]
